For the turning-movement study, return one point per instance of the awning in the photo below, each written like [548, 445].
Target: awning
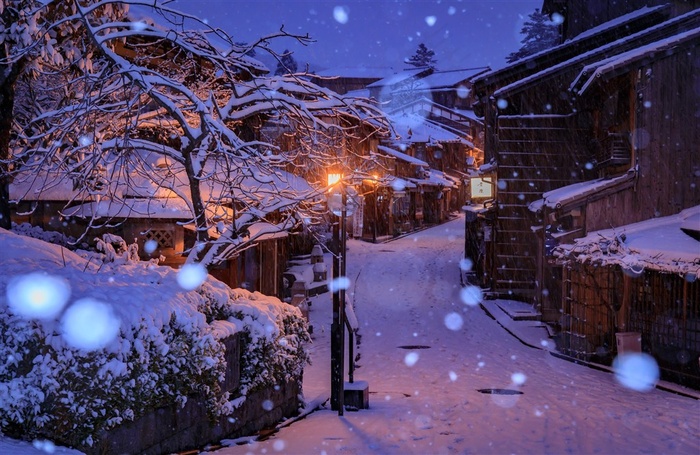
[402, 156]
[578, 193]
[659, 244]
[170, 208]
[437, 179]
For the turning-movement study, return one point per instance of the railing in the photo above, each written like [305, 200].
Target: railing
[351, 352]
[615, 150]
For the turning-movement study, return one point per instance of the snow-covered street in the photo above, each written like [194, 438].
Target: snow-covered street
[426, 355]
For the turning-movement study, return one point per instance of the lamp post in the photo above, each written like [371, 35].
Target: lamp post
[339, 271]
[376, 202]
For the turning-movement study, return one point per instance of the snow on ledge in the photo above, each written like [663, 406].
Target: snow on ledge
[562, 196]
[656, 244]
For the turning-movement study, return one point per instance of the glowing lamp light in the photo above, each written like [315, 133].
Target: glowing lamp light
[334, 178]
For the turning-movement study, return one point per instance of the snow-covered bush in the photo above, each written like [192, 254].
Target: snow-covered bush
[36, 232]
[168, 346]
[273, 337]
[115, 248]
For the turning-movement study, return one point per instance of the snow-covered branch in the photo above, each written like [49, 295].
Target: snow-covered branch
[150, 101]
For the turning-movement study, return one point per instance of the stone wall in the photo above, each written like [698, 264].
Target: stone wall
[173, 429]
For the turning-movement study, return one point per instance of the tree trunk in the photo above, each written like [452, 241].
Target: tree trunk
[200, 218]
[8, 77]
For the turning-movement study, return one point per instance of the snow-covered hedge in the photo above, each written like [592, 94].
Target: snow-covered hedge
[86, 345]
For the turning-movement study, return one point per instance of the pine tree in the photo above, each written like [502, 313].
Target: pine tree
[423, 57]
[249, 53]
[286, 64]
[539, 32]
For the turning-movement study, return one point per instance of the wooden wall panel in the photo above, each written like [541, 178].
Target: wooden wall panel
[668, 136]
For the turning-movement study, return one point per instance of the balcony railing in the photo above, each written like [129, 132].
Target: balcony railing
[615, 150]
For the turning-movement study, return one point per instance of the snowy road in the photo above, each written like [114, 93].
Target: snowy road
[425, 399]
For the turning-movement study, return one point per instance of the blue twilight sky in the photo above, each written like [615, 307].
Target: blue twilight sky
[376, 33]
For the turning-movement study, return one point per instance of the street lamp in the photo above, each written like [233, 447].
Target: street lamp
[337, 204]
[375, 184]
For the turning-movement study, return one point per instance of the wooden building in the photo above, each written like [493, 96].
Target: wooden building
[590, 135]
[543, 135]
[154, 218]
[345, 80]
[435, 145]
[583, 16]
[635, 281]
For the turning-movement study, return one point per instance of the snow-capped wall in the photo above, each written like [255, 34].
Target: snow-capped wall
[89, 342]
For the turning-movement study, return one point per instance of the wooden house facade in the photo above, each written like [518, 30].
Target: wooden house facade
[543, 136]
[590, 135]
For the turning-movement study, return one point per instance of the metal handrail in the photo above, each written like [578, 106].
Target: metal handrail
[351, 352]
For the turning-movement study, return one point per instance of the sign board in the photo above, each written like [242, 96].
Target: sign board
[481, 188]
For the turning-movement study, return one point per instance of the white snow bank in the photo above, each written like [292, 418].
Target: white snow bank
[86, 344]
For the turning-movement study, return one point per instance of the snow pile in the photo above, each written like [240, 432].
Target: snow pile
[88, 343]
[664, 244]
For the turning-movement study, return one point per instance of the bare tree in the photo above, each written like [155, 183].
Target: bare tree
[116, 102]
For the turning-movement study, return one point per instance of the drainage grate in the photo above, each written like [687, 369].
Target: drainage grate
[414, 346]
[500, 391]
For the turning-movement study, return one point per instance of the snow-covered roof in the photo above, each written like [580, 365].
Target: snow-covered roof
[361, 93]
[149, 181]
[615, 47]
[582, 190]
[359, 72]
[44, 186]
[423, 105]
[397, 183]
[485, 168]
[656, 244]
[402, 156]
[414, 128]
[450, 78]
[436, 178]
[470, 114]
[616, 22]
[595, 72]
[476, 208]
[397, 78]
[531, 60]
[165, 208]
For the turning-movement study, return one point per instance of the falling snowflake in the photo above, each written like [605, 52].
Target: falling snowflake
[38, 295]
[89, 324]
[636, 371]
[411, 359]
[341, 14]
[191, 276]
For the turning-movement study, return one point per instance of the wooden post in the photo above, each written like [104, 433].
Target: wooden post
[624, 313]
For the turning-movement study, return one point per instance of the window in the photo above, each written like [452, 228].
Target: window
[164, 237]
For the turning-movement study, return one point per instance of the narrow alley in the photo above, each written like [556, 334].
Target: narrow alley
[445, 377]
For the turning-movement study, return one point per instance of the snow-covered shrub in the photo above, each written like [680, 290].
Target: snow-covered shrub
[51, 390]
[115, 248]
[57, 238]
[273, 336]
[168, 347]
